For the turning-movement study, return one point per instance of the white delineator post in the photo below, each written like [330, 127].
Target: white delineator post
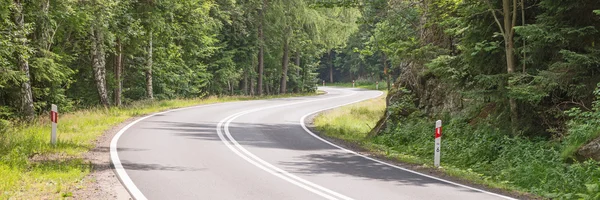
[323, 82]
[54, 119]
[352, 83]
[438, 143]
[377, 85]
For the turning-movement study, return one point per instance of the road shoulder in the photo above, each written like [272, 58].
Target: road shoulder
[102, 182]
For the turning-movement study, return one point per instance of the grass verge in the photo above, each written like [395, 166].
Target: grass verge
[31, 168]
[352, 124]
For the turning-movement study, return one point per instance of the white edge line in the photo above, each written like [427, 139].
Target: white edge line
[133, 190]
[278, 174]
[232, 144]
[303, 124]
[269, 165]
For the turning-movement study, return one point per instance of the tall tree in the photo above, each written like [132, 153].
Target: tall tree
[261, 48]
[118, 71]
[507, 29]
[148, 69]
[99, 62]
[22, 55]
[285, 60]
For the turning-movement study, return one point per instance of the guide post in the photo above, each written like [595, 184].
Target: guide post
[438, 143]
[54, 119]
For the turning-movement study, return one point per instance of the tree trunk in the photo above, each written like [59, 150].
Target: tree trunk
[267, 89]
[252, 78]
[44, 27]
[245, 87]
[99, 64]
[299, 84]
[284, 67]
[118, 70]
[261, 50]
[509, 22]
[386, 70]
[26, 93]
[149, 90]
[524, 42]
[331, 67]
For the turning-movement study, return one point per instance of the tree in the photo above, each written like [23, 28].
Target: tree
[261, 50]
[22, 54]
[148, 70]
[507, 29]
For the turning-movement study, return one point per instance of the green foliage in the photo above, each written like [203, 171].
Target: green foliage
[198, 48]
[582, 128]
[534, 166]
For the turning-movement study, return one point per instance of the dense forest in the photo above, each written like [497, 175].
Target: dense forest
[516, 83]
[78, 54]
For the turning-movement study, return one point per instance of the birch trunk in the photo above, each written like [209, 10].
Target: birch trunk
[284, 67]
[118, 71]
[99, 64]
[299, 83]
[331, 67]
[26, 93]
[149, 91]
[260, 50]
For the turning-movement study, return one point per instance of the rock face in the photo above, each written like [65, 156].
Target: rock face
[591, 150]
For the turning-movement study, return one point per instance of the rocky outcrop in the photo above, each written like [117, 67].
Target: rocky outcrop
[590, 150]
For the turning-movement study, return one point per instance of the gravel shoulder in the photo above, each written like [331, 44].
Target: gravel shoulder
[102, 182]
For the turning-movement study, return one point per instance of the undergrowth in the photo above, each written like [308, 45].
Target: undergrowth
[481, 152]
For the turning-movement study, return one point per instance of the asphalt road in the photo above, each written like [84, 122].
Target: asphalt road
[260, 150]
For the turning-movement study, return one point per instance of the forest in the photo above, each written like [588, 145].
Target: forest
[516, 82]
[79, 54]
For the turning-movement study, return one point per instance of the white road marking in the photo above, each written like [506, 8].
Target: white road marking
[138, 195]
[133, 190]
[232, 144]
[114, 155]
[303, 124]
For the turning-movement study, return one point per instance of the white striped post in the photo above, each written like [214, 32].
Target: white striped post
[438, 143]
[54, 119]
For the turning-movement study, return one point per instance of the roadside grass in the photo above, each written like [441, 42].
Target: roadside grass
[476, 153]
[32, 168]
[353, 123]
[360, 84]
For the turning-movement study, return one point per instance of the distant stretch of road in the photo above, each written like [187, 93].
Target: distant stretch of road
[261, 150]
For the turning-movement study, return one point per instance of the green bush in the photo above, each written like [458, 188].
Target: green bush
[529, 164]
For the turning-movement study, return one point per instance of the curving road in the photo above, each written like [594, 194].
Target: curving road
[261, 150]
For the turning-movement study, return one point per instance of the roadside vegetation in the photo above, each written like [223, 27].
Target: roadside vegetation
[362, 83]
[479, 153]
[32, 168]
[515, 81]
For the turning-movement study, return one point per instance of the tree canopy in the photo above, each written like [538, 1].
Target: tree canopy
[78, 54]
